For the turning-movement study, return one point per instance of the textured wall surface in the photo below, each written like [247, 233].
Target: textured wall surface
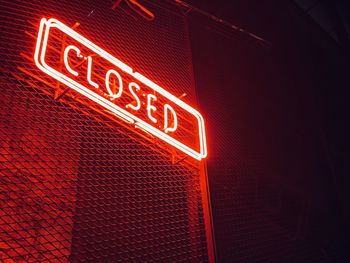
[276, 117]
[76, 185]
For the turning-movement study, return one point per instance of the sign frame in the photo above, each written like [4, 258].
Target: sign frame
[39, 59]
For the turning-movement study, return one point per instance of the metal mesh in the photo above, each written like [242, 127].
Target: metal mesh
[75, 184]
[266, 163]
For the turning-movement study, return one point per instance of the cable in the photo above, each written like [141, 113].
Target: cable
[219, 20]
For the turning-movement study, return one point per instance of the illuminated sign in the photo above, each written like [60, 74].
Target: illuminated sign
[84, 67]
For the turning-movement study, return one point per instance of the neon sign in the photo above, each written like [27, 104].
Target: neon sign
[125, 93]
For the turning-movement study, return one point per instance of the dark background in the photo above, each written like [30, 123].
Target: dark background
[276, 114]
[277, 119]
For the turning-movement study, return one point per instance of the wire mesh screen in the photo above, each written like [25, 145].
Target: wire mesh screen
[267, 165]
[75, 184]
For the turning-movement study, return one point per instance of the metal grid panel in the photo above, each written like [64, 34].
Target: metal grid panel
[75, 185]
[266, 162]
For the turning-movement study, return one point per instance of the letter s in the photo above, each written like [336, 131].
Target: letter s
[133, 93]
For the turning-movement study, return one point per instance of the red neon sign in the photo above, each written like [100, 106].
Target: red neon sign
[107, 81]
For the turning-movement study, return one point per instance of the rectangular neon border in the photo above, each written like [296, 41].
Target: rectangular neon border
[39, 58]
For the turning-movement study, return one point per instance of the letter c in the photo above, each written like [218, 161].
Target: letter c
[65, 58]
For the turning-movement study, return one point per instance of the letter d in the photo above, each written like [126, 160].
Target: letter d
[167, 129]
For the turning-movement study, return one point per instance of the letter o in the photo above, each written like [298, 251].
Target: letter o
[110, 92]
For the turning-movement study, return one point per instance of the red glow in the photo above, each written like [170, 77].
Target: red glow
[113, 85]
